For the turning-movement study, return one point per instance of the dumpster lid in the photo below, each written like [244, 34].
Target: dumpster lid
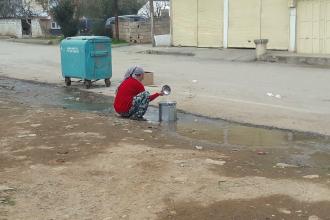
[90, 38]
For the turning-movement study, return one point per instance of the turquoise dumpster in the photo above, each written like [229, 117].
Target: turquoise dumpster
[87, 58]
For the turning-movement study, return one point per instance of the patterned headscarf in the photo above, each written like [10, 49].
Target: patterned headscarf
[133, 72]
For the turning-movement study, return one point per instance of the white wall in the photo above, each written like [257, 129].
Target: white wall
[11, 27]
[35, 28]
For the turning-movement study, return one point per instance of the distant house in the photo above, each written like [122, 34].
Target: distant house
[294, 25]
[30, 21]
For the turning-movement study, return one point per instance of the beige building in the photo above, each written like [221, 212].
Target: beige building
[295, 25]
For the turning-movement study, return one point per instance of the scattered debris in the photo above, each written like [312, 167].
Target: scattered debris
[284, 211]
[147, 131]
[261, 153]
[278, 96]
[311, 176]
[194, 81]
[215, 162]
[62, 152]
[26, 135]
[284, 165]
[5, 188]
[199, 147]
[313, 217]
[35, 125]
[173, 212]
[270, 94]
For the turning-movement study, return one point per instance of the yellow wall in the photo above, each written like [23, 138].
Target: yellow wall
[200, 23]
[184, 21]
[313, 26]
[197, 23]
[210, 23]
[254, 19]
[243, 23]
[275, 23]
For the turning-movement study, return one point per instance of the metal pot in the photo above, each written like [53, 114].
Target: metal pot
[167, 111]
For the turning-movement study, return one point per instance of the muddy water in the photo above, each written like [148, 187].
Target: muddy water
[304, 149]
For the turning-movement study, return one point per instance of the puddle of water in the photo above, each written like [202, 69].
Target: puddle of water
[195, 129]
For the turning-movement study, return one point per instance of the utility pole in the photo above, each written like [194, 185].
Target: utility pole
[116, 18]
[151, 6]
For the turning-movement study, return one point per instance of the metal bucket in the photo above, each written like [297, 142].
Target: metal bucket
[167, 111]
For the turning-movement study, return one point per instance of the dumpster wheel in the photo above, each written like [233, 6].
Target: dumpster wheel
[67, 81]
[88, 83]
[107, 82]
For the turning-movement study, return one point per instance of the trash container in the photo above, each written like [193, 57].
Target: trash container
[87, 58]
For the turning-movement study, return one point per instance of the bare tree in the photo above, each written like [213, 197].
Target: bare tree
[158, 7]
[8, 8]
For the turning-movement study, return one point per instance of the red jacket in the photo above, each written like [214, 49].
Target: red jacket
[126, 92]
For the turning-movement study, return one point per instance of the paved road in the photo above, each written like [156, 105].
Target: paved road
[211, 87]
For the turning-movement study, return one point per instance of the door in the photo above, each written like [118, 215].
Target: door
[210, 23]
[275, 23]
[184, 21]
[244, 23]
[255, 19]
[308, 26]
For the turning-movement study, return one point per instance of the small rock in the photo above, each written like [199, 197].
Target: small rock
[284, 165]
[35, 125]
[199, 147]
[5, 188]
[270, 94]
[298, 211]
[284, 211]
[147, 131]
[311, 176]
[313, 217]
[172, 212]
[194, 81]
[278, 96]
[149, 207]
[261, 153]
[215, 162]
[180, 179]
[62, 152]
[77, 99]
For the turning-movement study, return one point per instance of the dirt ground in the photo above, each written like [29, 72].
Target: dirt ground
[61, 163]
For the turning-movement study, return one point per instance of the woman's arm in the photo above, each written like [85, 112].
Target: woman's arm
[154, 96]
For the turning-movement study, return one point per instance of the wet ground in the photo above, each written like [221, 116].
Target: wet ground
[197, 168]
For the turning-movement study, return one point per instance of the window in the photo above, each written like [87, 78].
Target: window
[54, 25]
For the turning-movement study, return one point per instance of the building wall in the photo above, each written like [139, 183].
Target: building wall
[184, 21]
[11, 27]
[140, 32]
[36, 28]
[313, 26]
[201, 23]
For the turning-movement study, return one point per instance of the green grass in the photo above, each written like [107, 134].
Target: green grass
[7, 201]
[118, 41]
